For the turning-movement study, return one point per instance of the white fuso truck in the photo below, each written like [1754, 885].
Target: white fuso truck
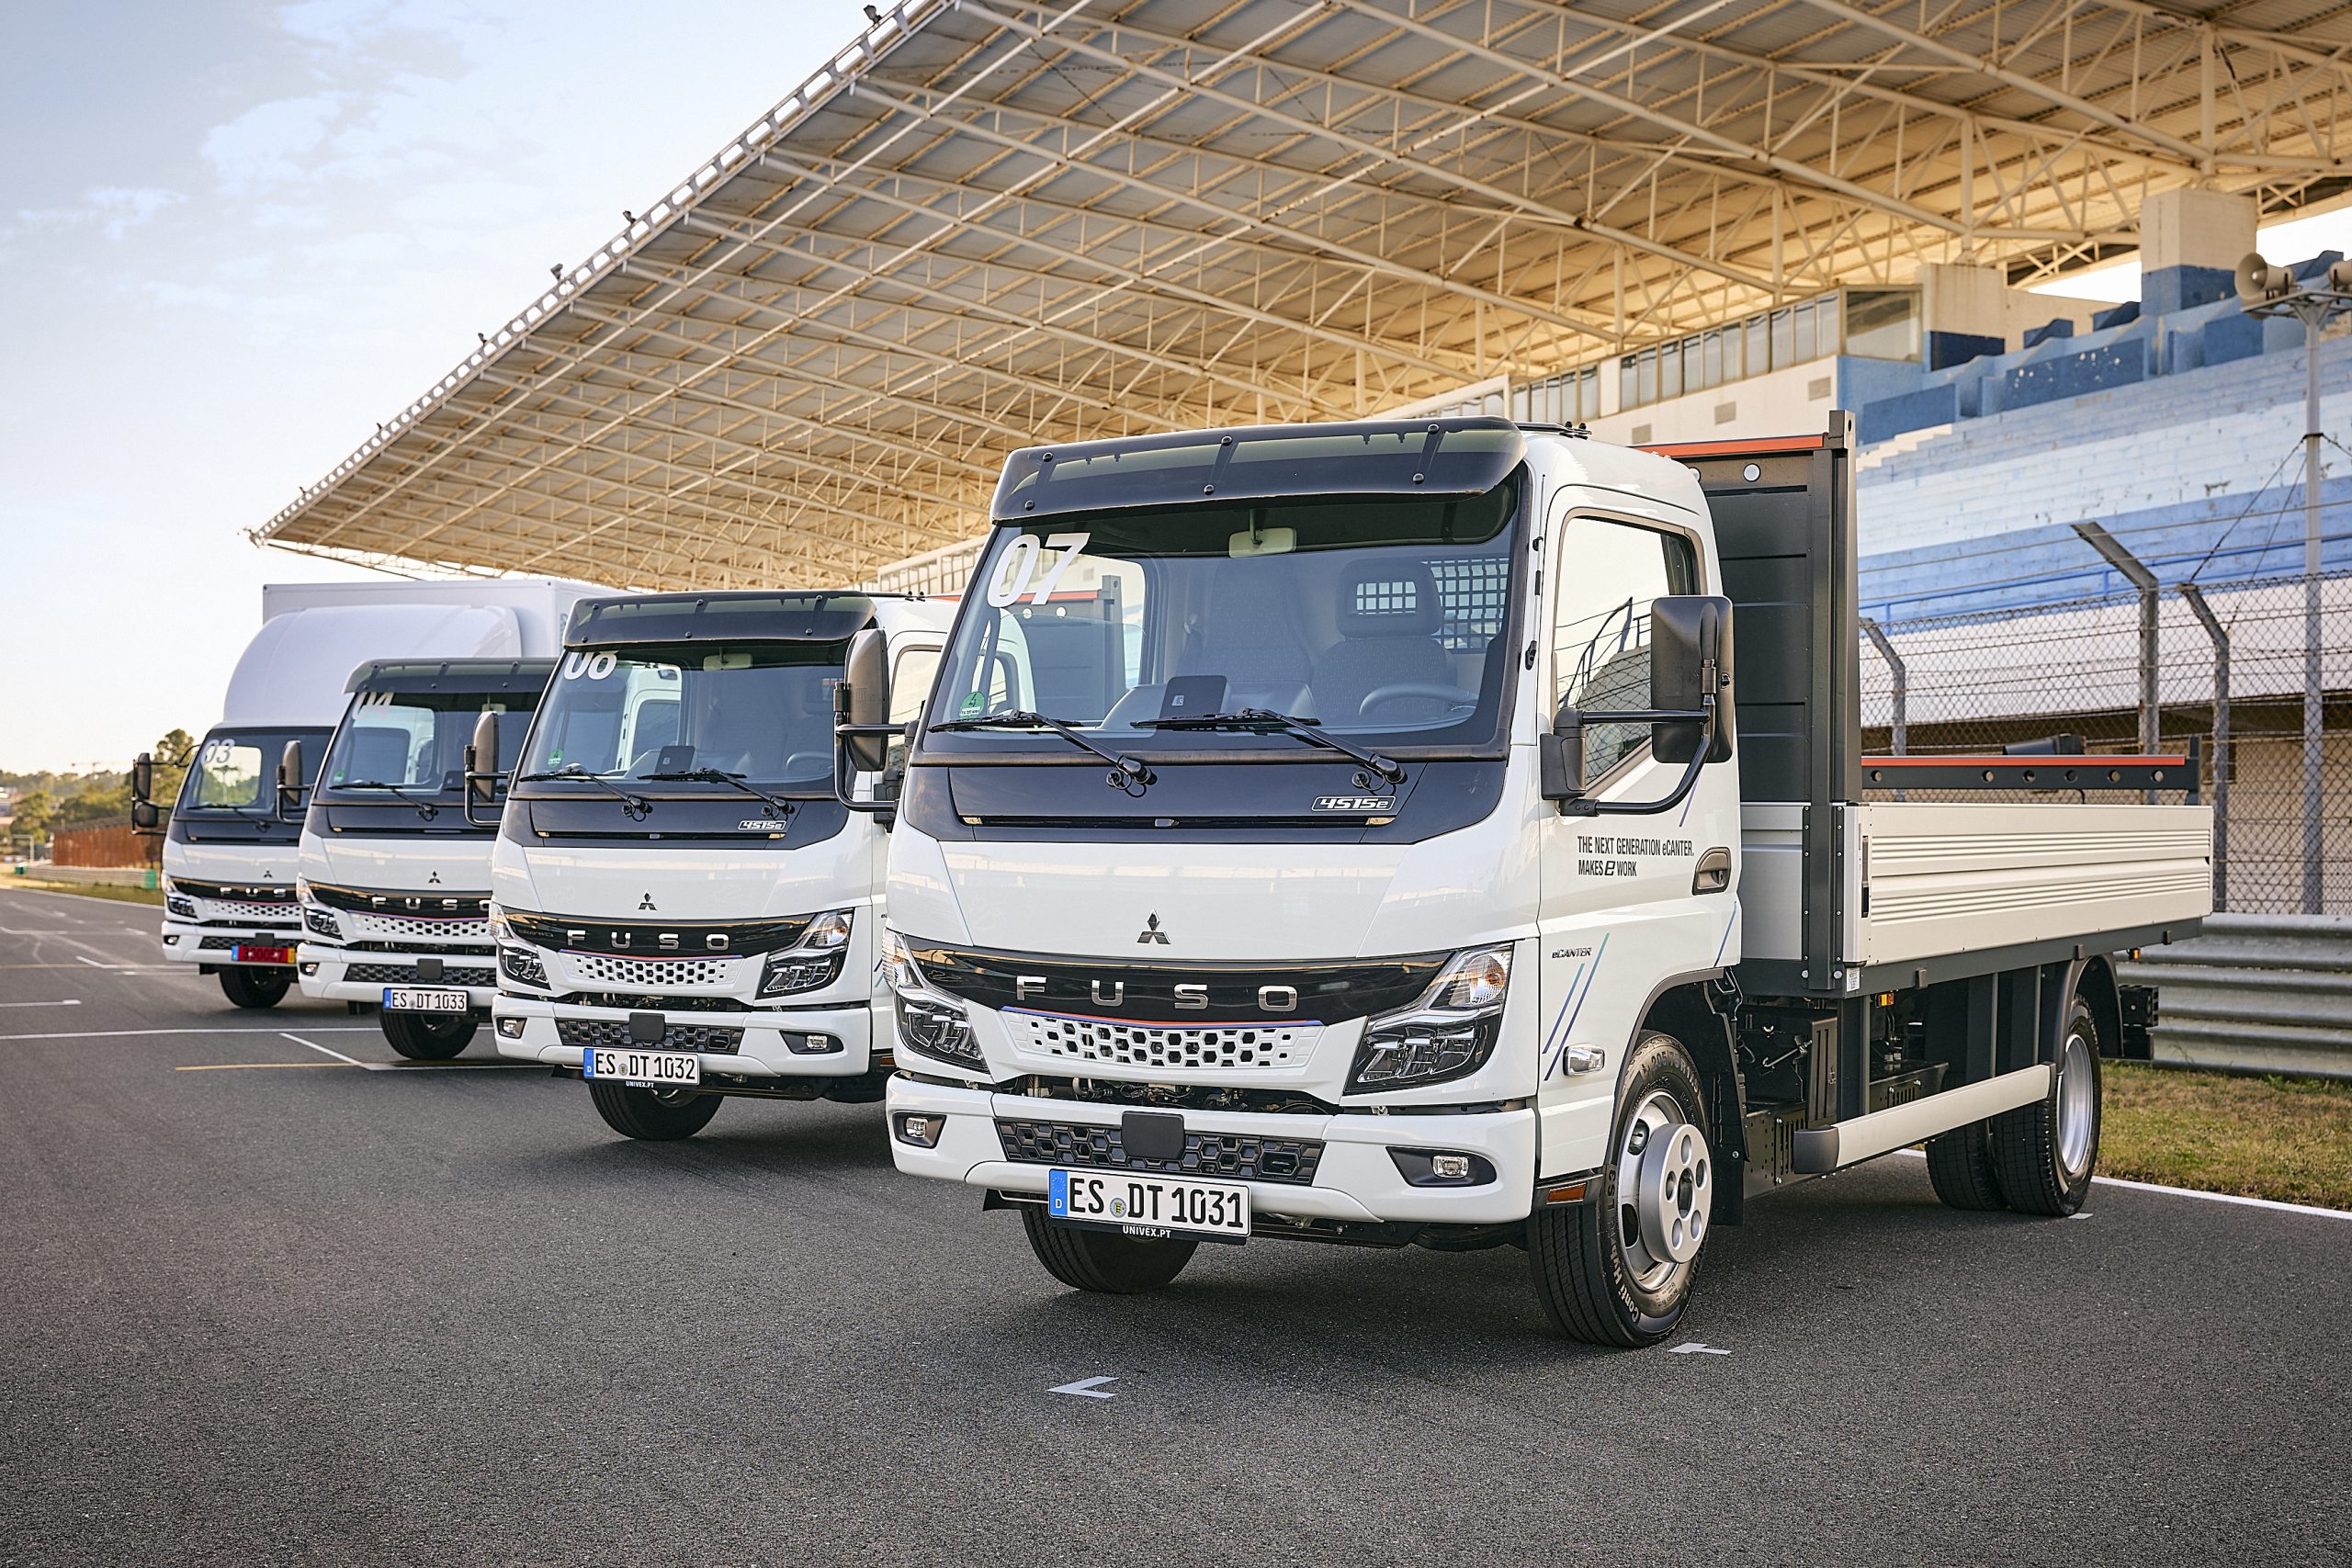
[229, 850]
[683, 909]
[1357, 833]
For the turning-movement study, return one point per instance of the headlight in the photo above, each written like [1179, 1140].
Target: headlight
[179, 903]
[322, 922]
[1448, 1033]
[897, 965]
[936, 1027]
[501, 929]
[813, 961]
[302, 889]
[520, 963]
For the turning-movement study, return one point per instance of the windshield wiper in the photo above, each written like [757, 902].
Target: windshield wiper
[1126, 773]
[783, 808]
[1265, 721]
[636, 806]
[424, 809]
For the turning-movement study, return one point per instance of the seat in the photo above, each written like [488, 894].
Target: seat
[1388, 617]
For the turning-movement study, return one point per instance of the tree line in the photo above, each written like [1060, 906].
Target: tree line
[43, 802]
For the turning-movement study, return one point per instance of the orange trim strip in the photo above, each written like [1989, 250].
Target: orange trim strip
[1737, 448]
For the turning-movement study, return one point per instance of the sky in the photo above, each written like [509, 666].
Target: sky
[2282, 245]
[234, 235]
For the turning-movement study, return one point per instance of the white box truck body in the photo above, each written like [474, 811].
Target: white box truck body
[685, 910]
[1359, 834]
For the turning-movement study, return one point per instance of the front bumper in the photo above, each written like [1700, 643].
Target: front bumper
[1354, 1179]
[186, 942]
[760, 1052]
[348, 974]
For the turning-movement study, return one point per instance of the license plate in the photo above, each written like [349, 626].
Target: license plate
[1149, 1205]
[250, 954]
[412, 998]
[661, 1069]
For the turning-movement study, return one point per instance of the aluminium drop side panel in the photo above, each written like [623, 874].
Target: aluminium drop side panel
[1946, 879]
[1786, 542]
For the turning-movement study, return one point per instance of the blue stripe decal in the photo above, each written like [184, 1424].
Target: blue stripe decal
[1561, 1034]
[1726, 941]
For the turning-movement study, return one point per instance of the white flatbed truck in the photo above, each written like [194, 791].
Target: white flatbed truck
[1365, 834]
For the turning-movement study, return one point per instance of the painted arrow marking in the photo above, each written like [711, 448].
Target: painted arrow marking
[1693, 1347]
[1086, 1388]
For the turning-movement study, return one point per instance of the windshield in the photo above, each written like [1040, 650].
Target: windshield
[234, 772]
[415, 741]
[761, 710]
[1382, 621]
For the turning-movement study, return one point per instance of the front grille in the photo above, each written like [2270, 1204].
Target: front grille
[406, 975]
[630, 1001]
[222, 941]
[650, 974]
[247, 909]
[1101, 1041]
[401, 927]
[613, 1034]
[257, 925]
[1238, 1156]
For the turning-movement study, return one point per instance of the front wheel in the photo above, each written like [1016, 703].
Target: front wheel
[655, 1115]
[256, 988]
[2044, 1152]
[428, 1037]
[1098, 1260]
[1617, 1269]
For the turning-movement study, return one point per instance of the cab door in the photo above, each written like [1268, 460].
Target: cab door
[1625, 912]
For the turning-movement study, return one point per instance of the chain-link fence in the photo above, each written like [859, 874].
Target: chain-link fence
[2162, 655]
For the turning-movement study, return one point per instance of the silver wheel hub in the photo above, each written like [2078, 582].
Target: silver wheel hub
[1665, 1189]
[2077, 1110]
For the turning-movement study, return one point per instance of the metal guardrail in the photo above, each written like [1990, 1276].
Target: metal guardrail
[2255, 993]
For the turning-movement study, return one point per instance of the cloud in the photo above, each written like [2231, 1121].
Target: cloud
[113, 210]
[271, 144]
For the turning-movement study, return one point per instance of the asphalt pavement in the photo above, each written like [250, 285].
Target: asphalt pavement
[262, 1304]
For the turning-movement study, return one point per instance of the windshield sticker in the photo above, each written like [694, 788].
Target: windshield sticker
[973, 703]
[1019, 564]
[594, 666]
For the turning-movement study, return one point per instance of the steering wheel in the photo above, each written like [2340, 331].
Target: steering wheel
[1454, 697]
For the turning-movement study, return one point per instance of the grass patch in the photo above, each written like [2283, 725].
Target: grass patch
[2261, 1137]
[88, 890]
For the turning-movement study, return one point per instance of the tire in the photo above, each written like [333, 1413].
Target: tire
[256, 988]
[1595, 1271]
[428, 1037]
[1100, 1261]
[1961, 1164]
[654, 1115]
[2044, 1153]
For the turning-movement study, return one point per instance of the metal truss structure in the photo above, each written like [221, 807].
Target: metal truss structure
[989, 222]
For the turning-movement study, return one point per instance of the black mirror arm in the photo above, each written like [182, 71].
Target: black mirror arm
[1706, 716]
[844, 774]
[473, 776]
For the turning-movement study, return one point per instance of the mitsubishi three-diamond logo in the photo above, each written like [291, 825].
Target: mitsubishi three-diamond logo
[646, 902]
[1152, 932]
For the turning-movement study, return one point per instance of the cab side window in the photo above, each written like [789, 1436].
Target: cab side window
[1607, 577]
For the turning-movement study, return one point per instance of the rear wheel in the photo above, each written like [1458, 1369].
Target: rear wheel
[655, 1115]
[1961, 1164]
[256, 988]
[1098, 1260]
[1617, 1269]
[428, 1037]
[2044, 1152]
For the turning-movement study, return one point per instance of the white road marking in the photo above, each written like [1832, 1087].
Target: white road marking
[1693, 1347]
[91, 962]
[1086, 1388]
[2080, 1214]
[2192, 1193]
[320, 1049]
[142, 1033]
[68, 1002]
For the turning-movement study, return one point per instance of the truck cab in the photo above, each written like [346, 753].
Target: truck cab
[394, 866]
[230, 862]
[686, 907]
[1357, 834]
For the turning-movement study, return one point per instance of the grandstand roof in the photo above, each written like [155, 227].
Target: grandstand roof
[990, 222]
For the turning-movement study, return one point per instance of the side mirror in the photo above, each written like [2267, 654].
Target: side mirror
[864, 704]
[1691, 659]
[1560, 756]
[481, 769]
[289, 776]
[146, 817]
[142, 778]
